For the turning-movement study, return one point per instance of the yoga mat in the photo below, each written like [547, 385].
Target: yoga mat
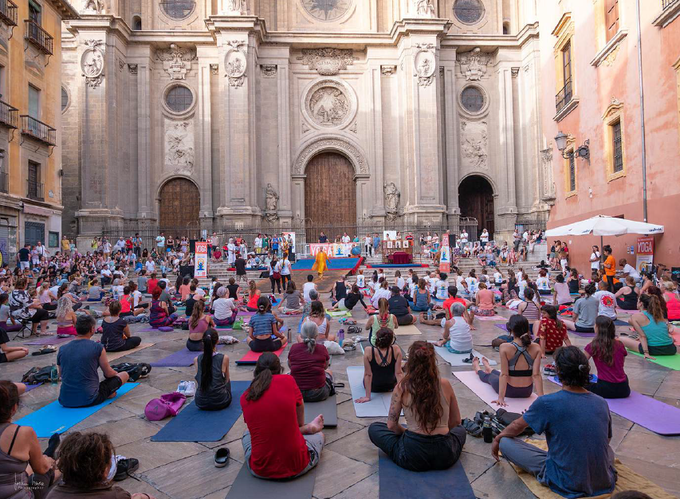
[396, 482]
[340, 313]
[250, 359]
[504, 327]
[645, 411]
[49, 340]
[397, 266]
[54, 418]
[31, 387]
[410, 330]
[329, 409]
[117, 355]
[491, 318]
[246, 485]
[377, 407]
[195, 425]
[488, 394]
[456, 360]
[627, 479]
[583, 335]
[619, 322]
[183, 358]
[669, 361]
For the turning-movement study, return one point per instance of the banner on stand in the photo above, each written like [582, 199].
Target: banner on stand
[445, 255]
[201, 260]
[644, 254]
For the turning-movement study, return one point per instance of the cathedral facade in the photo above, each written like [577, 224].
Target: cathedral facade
[270, 114]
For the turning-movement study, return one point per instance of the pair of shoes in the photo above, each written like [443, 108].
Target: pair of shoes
[125, 467]
[221, 458]
[472, 428]
[187, 388]
[135, 373]
[549, 370]
[45, 350]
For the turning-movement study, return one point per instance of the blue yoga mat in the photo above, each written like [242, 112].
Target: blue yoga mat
[332, 263]
[398, 482]
[195, 425]
[55, 418]
[619, 322]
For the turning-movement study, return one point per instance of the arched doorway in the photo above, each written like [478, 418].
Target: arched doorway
[180, 203]
[475, 199]
[330, 196]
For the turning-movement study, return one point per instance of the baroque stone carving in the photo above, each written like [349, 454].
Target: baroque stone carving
[475, 144]
[176, 61]
[423, 8]
[331, 144]
[93, 7]
[271, 204]
[327, 10]
[611, 57]
[235, 64]
[179, 145]
[132, 68]
[514, 72]
[269, 70]
[237, 7]
[215, 69]
[329, 104]
[392, 200]
[425, 64]
[388, 70]
[473, 65]
[549, 190]
[92, 63]
[327, 61]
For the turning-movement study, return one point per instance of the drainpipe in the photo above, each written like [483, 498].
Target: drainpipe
[642, 116]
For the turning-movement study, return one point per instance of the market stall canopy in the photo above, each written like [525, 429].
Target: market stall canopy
[602, 225]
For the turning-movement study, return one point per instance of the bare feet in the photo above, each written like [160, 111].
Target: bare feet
[475, 364]
[317, 425]
[487, 366]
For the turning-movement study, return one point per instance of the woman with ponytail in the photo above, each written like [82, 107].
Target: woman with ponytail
[308, 362]
[652, 328]
[278, 444]
[520, 365]
[434, 439]
[213, 392]
[199, 323]
[577, 425]
[383, 319]
[261, 328]
[382, 365]
[609, 354]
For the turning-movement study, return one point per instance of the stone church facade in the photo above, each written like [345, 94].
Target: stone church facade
[269, 114]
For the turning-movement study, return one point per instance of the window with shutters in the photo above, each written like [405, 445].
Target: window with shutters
[566, 99]
[571, 174]
[611, 18]
[615, 145]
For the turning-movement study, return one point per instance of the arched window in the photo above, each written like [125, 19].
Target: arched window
[137, 23]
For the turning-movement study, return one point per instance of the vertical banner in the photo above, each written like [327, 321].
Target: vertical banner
[445, 255]
[201, 260]
[644, 254]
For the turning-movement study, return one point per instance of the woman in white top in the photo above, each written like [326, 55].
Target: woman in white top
[595, 258]
[317, 315]
[361, 279]
[472, 282]
[47, 298]
[381, 292]
[457, 337]
[286, 267]
[543, 282]
[225, 310]
[441, 287]
[400, 280]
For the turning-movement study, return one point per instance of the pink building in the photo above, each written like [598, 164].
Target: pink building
[590, 69]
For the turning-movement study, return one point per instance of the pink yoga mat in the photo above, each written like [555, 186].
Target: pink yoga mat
[645, 411]
[487, 394]
[491, 318]
[251, 357]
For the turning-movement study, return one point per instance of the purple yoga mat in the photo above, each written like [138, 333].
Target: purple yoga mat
[583, 335]
[502, 326]
[31, 387]
[645, 411]
[183, 358]
[49, 340]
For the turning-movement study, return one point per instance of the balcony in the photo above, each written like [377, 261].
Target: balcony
[38, 37]
[9, 116]
[38, 130]
[4, 183]
[8, 12]
[35, 190]
[667, 4]
[564, 96]
[670, 10]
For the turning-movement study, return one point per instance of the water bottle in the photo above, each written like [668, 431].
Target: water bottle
[429, 314]
[54, 375]
[486, 430]
[341, 336]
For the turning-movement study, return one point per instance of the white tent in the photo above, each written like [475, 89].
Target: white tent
[602, 225]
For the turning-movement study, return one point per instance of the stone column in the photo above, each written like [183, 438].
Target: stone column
[375, 129]
[203, 137]
[507, 209]
[147, 210]
[451, 136]
[286, 211]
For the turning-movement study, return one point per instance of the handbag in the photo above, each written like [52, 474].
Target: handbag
[276, 276]
[167, 405]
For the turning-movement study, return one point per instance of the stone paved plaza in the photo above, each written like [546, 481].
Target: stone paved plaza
[349, 464]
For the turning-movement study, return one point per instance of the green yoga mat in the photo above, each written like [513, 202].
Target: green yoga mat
[340, 313]
[669, 361]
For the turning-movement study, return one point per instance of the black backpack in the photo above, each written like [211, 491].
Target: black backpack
[37, 375]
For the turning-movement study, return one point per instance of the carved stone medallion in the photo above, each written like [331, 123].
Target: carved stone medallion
[330, 104]
[327, 10]
[425, 64]
[92, 63]
[235, 64]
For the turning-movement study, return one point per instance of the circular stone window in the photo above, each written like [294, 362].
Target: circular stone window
[179, 99]
[178, 9]
[472, 100]
[468, 11]
[327, 10]
[64, 99]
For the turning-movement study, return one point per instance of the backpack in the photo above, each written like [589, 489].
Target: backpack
[238, 323]
[37, 375]
[167, 405]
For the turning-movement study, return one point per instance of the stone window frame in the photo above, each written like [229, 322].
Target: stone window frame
[176, 19]
[485, 108]
[571, 149]
[564, 32]
[481, 19]
[613, 115]
[314, 20]
[65, 89]
[171, 112]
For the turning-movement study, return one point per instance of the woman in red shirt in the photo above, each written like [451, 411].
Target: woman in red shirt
[278, 444]
[552, 332]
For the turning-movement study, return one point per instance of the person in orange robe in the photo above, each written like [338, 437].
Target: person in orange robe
[320, 264]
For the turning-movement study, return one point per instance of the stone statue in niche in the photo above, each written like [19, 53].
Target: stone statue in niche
[179, 149]
[329, 106]
[424, 8]
[392, 200]
[93, 6]
[271, 203]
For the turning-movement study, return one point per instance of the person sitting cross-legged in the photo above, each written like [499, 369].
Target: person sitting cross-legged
[609, 355]
[116, 336]
[284, 447]
[213, 386]
[434, 439]
[308, 361]
[457, 337]
[263, 327]
[578, 427]
[652, 329]
[382, 365]
[79, 361]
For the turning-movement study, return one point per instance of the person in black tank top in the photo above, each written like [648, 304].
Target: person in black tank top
[382, 365]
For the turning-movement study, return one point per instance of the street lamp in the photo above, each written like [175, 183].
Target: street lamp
[581, 152]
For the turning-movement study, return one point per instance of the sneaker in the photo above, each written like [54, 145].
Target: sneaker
[549, 370]
[135, 373]
[145, 369]
[126, 466]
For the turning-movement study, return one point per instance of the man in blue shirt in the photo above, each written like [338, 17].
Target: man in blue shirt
[577, 425]
[376, 244]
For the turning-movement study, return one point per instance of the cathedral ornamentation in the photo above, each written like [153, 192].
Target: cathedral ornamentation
[176, 61]
[425, 64]
[235, 64]
[179, 146]
[327, 61]
[473, 65]
[92, 63]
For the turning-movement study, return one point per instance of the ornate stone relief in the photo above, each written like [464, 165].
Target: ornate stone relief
[327, 61]
[424, 64]
[92, 63]
[356, 156]
[176, 61]
[388, 70]
[354, 127]
[422, 8]
[269, 70]
[271, 202]
[237, 7]
[179, 145]
[93, 7]
[329, 104]
[236, 64]
[473, 65]
[392, 200]
[215, 69]
[327, 10]
[132, 68]
[549, 189]
[475, 144]
[611, 58]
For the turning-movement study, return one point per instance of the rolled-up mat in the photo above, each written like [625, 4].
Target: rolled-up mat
[669, 361]
[488, 394]
[456, 359]
[194, 425]
[645, 411]
[55, 418]
[491, 318]
[117, 355]
[340, 313]
[49, 340]
[329, 409]
[250, 359]
[377, 407]
[396, 482]
[183, 358]
[247, 486]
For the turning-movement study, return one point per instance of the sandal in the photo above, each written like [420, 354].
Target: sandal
[221, 458]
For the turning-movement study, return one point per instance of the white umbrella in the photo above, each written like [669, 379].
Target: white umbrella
[602, 225]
